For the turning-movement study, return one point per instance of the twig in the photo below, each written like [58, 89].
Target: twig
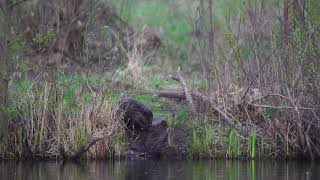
[256, 75]
[268, 95]
[213, 105]
[280, 107]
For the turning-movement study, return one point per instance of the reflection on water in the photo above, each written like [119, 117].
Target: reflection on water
[162, 170]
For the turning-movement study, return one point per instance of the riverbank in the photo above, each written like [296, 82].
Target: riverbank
[228, 79]
[56, 120]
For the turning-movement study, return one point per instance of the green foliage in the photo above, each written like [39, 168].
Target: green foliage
[42, 40]
[297, 35]
[19, 91]
[158, 13]
[17, 46]
[11, 112]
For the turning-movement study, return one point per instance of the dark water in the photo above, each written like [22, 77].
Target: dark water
[162, 170]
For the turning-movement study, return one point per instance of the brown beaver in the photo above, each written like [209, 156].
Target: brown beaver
[137, 116]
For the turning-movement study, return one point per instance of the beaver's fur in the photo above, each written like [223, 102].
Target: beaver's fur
[136, 115]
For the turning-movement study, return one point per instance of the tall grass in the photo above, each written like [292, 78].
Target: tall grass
[234, 146]
[252, 146]
[54, 119]
[202, 141]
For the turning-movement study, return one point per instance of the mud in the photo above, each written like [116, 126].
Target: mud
[158, 142]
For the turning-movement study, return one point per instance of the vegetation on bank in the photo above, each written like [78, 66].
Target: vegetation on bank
[252, 73]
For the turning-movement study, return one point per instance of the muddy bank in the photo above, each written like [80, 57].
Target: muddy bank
[148, 137]
[158, 142]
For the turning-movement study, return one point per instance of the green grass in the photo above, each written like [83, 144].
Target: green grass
[234, 146]
[161, 14]
[156, 105]
[181, 116]
[201, 144]
[252, 146]
[157, 82]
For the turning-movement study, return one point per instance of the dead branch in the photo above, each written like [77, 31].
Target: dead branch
[214, 106]
[280, 107]
[188, 96]
[169, 93]
[93, 139]
[203, 99]
[269, 95]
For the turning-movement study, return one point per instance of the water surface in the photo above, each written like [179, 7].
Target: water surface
[160, 170]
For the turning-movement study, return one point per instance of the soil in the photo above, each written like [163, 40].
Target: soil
[157, 142]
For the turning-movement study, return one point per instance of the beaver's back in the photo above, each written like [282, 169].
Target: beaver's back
[137, 116]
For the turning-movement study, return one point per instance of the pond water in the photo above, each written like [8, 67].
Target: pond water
[160, 170]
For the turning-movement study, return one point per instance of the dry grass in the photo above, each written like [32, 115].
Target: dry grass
[45, 129]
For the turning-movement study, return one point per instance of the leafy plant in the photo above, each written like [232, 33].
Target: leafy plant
[42, 40]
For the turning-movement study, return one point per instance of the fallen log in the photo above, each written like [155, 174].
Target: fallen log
[171, 93]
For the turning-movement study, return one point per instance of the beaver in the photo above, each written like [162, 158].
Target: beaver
[136, 115]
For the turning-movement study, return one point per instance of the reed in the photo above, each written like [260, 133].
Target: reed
[252, 146]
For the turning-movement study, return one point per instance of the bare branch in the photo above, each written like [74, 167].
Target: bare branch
[189, 99]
